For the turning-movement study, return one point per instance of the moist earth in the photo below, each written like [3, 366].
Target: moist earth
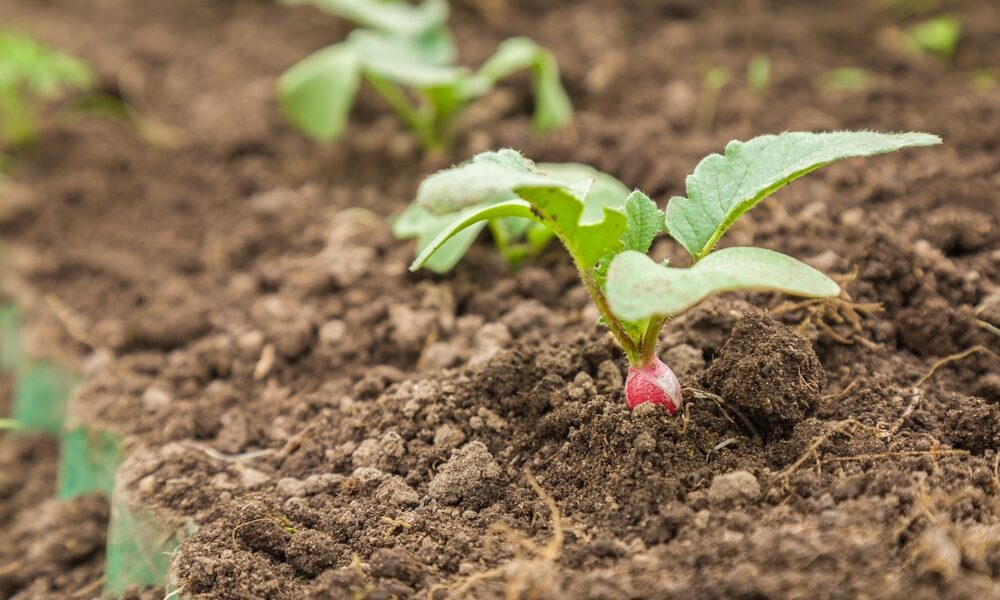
[316, 421]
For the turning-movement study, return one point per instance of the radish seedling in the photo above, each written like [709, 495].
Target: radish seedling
[516, 238]
[29, 74]
[715, 80]
[846, 79]
[608, 236]
[407, 55]
[937, 37]
[759, 74]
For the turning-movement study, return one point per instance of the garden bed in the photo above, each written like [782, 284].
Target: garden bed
[306, 418]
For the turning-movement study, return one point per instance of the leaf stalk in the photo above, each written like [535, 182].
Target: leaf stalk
[632, 351]
[423, 126]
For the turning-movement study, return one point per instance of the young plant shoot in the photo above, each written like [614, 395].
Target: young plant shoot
[31, 73]
[936, 37]
[759, 74]
[608, 237]
[846, 79]
[407, 55]
[517, 239]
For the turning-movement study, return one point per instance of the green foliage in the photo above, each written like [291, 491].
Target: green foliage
[9, 424]
[317, 93]
[589, 220]
[759, 73]
[723, 187]
[937, 37]
[639, 288]
[846, 79]
[607, 234]
[466, 195]
[714, 81]
[645, 222]
[31, 73]
[984, 80]
[407, 54]
[392, 16]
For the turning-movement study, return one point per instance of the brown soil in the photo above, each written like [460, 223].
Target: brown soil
[335, 425]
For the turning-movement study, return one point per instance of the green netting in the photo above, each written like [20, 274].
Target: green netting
[41, 392]
[88, 461]
[139, 549]
[10, 338]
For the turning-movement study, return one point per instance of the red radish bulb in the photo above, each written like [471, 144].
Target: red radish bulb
[654, 383]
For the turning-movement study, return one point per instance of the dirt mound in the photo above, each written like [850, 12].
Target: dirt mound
[334, 425]
[769, 372]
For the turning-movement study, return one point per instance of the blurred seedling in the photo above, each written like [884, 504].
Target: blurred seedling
[936, 37]
[142, 122]
[9, 424]
[32, 74]
[407, 55]
[759, 74]
[608, 235]
[846, 79]
[715, 80]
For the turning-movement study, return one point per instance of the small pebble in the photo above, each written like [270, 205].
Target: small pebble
[737, 485]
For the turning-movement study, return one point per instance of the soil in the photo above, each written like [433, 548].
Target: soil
[335, 426]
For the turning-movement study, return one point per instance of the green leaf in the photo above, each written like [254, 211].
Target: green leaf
[639, 288]
[29, 73]
[486, 177]
[417, 222]
[938, 36]
[513, 55]
[404, 61]
[510, 208]
[645, 222]
[606, 191]
[759, 73]
[519, 240]
[492, 177]
[553, 107]
[42, 71]
[560, 208]
[316, 94]
[722, 188]
[846, 79]
[393, 16]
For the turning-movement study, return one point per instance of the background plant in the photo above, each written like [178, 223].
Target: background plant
[407, 54]
[759, 74]
[846, 79]
[30, 74]
[716, 78]
[937, 37]
[608, 241]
